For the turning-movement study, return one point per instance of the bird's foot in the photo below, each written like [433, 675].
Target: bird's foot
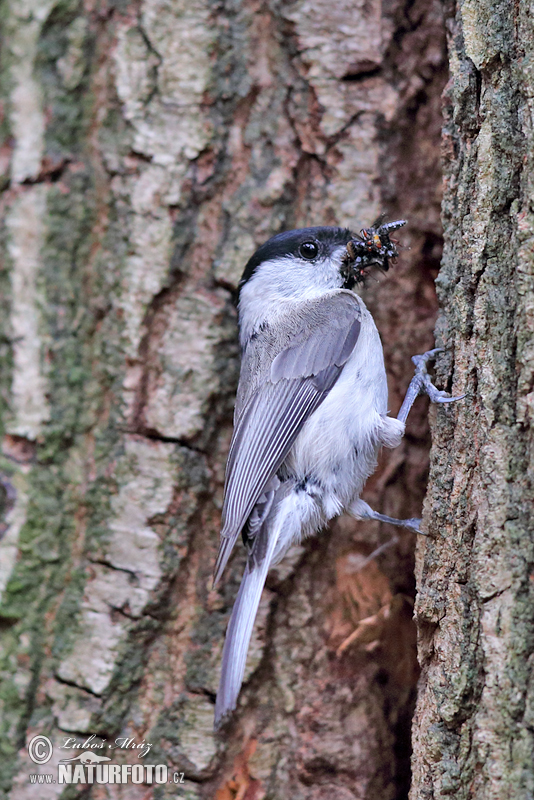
[361, 510]
[421, 383]
[413, 524]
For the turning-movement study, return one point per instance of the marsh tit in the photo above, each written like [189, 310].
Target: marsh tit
[311, 409]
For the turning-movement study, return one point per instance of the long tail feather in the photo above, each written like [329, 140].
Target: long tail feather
[238, 639]
[241, 624]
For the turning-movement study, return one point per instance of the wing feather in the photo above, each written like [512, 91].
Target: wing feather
[293, 372]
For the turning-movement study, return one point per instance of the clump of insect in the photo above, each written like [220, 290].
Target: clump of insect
[373, 248]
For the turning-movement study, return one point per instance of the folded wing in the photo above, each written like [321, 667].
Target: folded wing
[292, 368]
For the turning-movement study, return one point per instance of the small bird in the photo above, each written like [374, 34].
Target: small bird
[311, 411]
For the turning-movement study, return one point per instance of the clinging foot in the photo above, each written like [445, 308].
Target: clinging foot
[422, 383]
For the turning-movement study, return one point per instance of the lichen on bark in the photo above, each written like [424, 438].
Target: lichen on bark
[151, 146]
[473, 731]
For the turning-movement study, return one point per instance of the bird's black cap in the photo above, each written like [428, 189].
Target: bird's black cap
[288, 243]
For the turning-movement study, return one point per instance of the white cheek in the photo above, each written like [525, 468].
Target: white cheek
[281, 281]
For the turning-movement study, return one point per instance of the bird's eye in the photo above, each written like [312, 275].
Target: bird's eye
[308, 250]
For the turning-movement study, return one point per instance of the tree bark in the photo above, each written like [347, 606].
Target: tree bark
[148, 148]
[473, 733]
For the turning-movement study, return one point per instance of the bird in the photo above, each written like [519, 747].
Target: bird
[311, 411]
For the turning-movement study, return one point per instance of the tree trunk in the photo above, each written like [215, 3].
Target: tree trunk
[473, 735]
[148, 147]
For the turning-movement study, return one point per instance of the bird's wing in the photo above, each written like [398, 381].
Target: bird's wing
[304, 360]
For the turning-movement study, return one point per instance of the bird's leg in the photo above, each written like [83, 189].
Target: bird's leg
[360, 510]
[421, 383]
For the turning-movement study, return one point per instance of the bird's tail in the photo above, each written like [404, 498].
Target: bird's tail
[239, 631]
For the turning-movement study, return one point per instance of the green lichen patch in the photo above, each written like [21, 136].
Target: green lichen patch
[63, 67]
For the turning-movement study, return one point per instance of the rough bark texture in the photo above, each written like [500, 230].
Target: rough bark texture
[474, 723]
[148, 147]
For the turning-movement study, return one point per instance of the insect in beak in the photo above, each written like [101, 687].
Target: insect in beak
[373, 247]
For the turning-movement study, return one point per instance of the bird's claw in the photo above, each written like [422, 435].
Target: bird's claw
[438, 395]
[422, 360]
[423, 378]
[421, 383]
